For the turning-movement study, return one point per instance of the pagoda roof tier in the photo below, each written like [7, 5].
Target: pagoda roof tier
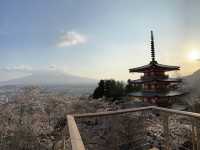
[157, 94]
[171, 80]
[153, 65]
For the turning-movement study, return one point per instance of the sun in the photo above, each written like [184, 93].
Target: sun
[194, 55]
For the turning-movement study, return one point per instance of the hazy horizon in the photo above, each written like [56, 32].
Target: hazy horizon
[97, 39]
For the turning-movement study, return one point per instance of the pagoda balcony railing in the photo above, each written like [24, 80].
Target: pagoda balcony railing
[145, 77]
[135, 129]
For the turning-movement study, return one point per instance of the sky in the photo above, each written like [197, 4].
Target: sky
[96, 38]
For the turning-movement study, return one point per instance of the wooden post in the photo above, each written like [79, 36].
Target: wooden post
[197, 135]
[64, 145]
[64, 142]
[166, 131]
[194, 139]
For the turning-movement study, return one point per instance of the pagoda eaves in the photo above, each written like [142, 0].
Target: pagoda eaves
[156, 94]
[153, 65]
[171, 80]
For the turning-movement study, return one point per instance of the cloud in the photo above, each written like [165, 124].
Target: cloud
[53, 67]
[18, 68]
[71, 38]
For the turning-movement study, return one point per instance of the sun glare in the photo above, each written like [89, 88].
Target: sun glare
[194, 55]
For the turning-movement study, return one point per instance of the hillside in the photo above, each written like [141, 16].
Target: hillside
[35, 120]
[193, 82]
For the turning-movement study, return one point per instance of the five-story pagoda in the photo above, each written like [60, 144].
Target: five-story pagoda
[157, 87]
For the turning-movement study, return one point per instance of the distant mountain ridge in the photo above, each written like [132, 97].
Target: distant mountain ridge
[193, 81]
[60, 78]
[50, 78]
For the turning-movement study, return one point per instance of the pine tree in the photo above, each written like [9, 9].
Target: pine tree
[99, 91]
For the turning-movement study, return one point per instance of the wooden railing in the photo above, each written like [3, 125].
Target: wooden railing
[166, 119]
[76, 141]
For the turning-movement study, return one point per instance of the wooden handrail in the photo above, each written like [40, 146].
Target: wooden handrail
[122, 111]
[109, 113]
[75, 137]
[178, 112]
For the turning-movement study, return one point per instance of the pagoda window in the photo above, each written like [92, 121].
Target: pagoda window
[152, 73]
[147, 74]
[149, 86]
[162, 73]
[153, 87]
[153, 100]
[144, 85]
[157, 86]
[157, 73]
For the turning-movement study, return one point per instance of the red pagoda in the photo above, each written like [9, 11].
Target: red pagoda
[157, 87]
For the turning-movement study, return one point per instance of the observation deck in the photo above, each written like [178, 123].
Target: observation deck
[145, 128]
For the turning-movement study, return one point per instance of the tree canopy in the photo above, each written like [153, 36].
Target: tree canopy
[112, 89]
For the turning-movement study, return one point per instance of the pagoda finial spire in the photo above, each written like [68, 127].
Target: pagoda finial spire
[152, 47]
